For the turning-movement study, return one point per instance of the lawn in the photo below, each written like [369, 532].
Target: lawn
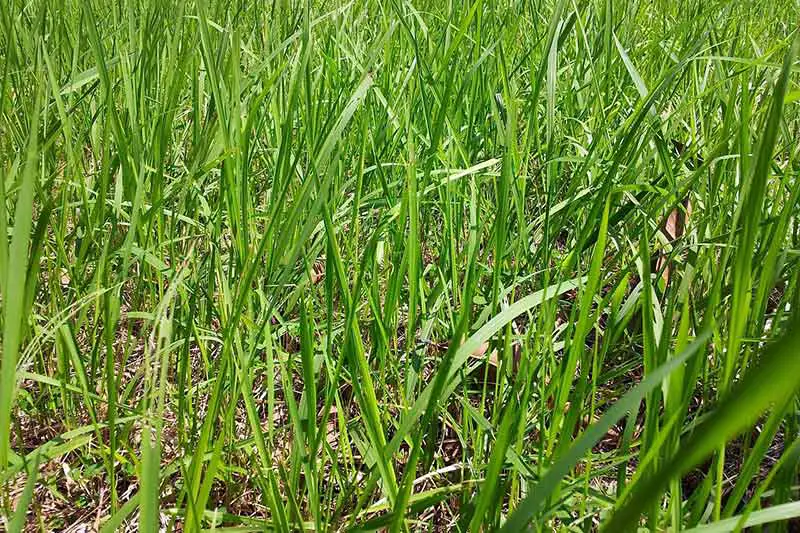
[413, 265]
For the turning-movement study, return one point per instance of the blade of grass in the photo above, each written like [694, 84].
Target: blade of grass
[776, 378]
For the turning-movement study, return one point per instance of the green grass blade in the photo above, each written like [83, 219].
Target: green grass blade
[776, 378]
[14, 298]
[527, 510]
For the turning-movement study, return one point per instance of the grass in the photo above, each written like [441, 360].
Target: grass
[404, 266]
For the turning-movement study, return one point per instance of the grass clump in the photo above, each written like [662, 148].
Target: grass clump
[405, 266]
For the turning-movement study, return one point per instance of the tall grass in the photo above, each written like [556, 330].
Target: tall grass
[399, 265]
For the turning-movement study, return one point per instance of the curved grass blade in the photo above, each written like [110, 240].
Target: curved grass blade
[778, 513]
[776, 378]
[532, 504]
